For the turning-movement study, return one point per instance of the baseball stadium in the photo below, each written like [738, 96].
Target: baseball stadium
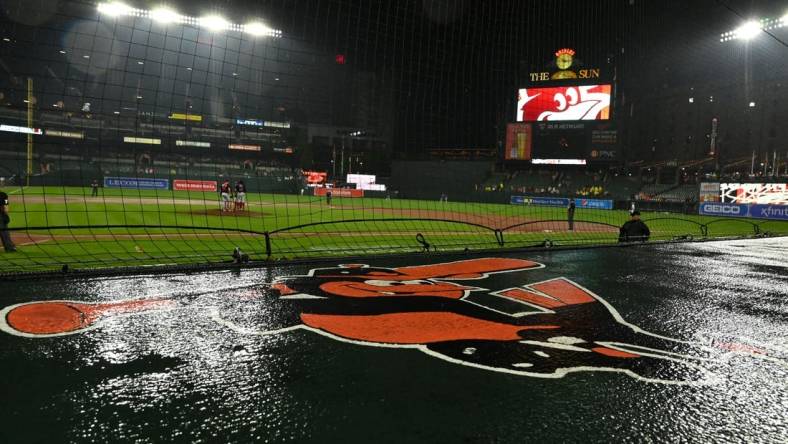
[397, 221]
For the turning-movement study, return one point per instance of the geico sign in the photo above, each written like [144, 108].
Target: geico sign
[722, 209]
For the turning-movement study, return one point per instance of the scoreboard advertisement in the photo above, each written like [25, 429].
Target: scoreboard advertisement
[518, 141]
[561, 143]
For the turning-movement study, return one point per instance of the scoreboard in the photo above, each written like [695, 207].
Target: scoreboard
[564, 116]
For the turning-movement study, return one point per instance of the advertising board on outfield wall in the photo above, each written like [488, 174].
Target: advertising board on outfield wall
[542, 201]
[193, 185]
[339, 192]
[599, 204]
[754, 211]
[136, 183]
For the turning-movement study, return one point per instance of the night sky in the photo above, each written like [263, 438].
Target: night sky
[420, 73]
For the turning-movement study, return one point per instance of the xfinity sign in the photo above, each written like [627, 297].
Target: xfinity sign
[759, 211]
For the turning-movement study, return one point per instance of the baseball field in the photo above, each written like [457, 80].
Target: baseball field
[55, 227]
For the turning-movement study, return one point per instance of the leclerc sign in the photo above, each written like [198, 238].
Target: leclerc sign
[136, 183]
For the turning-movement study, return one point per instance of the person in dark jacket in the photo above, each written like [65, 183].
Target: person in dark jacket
[5, 219]
[634, 230]
[570, 215]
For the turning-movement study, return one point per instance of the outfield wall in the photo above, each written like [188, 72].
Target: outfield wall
[750, 211]
[429, 179]
[254, 184]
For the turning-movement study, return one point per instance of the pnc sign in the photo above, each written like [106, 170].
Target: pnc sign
[565, 62]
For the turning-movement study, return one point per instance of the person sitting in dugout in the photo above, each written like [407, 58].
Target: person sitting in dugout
[634, 230]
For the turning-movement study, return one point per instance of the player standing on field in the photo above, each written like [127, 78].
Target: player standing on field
[240, 195]
[224, 192]
[570, 215]
[5, 219]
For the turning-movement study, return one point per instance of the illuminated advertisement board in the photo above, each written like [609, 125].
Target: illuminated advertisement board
[241, 147]
[256, 122]
[561, 103]
[20, 129]
[709, 192]
[565, 66]
[192, 143]
[365, 182]
[142, 140]
[754, 193]
[67, 134]
[249, 122]
[558, 161]
[315, 178]
[518, 141]
[189, 117]
[272, 124]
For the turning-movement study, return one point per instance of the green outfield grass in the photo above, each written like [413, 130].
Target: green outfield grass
[65, 225]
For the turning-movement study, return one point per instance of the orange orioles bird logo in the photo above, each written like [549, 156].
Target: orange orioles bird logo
[543, 329]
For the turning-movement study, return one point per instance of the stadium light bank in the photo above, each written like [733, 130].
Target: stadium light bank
[165, 15]
[752, 28]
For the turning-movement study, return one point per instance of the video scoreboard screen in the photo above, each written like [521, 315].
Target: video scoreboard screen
[754, 193]
[564, 103]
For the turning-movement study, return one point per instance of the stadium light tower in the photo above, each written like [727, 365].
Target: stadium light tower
[164, 15]
[214, 23]
[257, 29]
[753, 28]
[114, 9]
[748, 30]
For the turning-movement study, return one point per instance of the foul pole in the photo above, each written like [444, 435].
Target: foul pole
[29, 126]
